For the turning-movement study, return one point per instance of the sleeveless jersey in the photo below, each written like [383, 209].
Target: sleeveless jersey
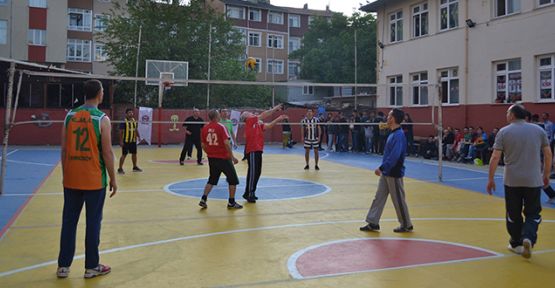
[84, 167]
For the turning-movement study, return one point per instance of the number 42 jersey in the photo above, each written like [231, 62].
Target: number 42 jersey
[213, 137]
[84, 167]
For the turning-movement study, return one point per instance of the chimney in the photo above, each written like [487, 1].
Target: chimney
[327, 8]
[305, 6]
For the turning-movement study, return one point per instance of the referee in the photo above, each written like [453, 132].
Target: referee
[310, 133]
[128, 135]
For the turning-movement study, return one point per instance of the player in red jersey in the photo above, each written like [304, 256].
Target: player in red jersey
[254, 134]
[216, 143]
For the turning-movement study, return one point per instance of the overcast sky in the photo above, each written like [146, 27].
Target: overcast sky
[344, 6]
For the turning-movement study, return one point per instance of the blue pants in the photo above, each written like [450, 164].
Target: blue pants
[73, 204]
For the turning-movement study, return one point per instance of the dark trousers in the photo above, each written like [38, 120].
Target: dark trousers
[188, 148]
[549, 191]
[253, 172]
[519, 228]
[73, 204]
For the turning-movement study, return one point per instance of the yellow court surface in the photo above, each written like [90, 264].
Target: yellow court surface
[304, 231]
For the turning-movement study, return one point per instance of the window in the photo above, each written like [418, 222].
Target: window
[420, 20]
[275, 18]
[547, 77]
[243, 33]
[100, 53]
[449, 86]
[294, 44]
[546, 2]
[506, 7]
[396, 26]
[308, 90]
[275, 41]
[275, 66]
[258, 65]
[254, 39]
[80, 19]
[78, 50]
[101, 22]
[3, 31]
[294, 70]
[449, 14]
[310, 20]
[37, 3]
[420, 88]
[36, 37]
[294, 21]
[508, 81]
[396, 90]
[255, 15]
[3, 2]
[235, 12]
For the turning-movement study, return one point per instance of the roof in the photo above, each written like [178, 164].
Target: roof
[38, 66]
[325, 13]
[260, 5]
[376, 5]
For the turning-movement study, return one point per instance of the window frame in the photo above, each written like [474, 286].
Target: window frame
[496, 10]
[449, 80]
[259, 18]
[104, 56]
[447, 5]
[259, 34]
[97, 18]
[4, 32]
[395, 83]
[229, 8]
[86, 14]
[420, 85]
[34, 34]
[419, 14]
[78, 43]
[506, 73]
[38, 3]
[294, 76]
[295, 16]
[271, 19]
[279, 40]
[308, 90]
[269, 62]
[394, 19]
[549, 68]
[290, 40]
[551, 2]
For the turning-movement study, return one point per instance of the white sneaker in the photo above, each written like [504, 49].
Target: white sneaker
[527, 248]
[62, 272]
[98, 271]
[551, 201]
[517, 250]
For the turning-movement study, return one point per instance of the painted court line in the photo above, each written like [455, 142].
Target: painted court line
[30, 163]
[10, 153]
[206, 235]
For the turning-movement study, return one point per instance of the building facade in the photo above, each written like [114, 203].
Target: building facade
[475, 57]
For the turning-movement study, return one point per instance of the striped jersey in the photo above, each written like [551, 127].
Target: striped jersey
[129, 129]
[84, 167]
[310, 127]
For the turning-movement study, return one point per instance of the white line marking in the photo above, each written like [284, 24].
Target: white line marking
[154, 243]
[294, 272]
[30, 163]
[10, 153]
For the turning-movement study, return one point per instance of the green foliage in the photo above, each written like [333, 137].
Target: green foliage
[180, 33]
[328, 51]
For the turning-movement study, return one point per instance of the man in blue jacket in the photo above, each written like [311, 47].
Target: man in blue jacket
[391, 174]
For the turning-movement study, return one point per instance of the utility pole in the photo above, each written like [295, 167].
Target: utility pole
[137, 65]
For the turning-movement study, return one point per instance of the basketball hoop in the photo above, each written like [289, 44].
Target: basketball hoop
[167, 85]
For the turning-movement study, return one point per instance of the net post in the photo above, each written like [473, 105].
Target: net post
[440, 133]
[7, 125]
[160, 99]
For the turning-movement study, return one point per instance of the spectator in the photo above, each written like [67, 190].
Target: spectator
[343, 131]
[332, 132]
[409, 133]
[449, 141]
[428, 149]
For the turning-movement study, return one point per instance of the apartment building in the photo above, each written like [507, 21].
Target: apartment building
[483, 54]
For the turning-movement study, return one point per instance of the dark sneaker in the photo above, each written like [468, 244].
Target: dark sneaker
[200, 163]
[306, 167]
[234, 205]
[181, 163]
[526, 248]
[202, 204]
[62, 272]
[137, 169]
[316, 168]
[402, 229]
[370, 227]
[98, 271]
[120, 171]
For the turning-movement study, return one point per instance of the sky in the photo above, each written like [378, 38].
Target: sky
[344, 6]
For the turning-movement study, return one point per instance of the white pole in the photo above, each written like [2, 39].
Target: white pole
[440, 134]
[356, 70]
[7, 125]
[137, 65]
[209, 56]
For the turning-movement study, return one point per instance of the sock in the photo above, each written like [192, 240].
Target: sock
[204, 197]
[232, 200]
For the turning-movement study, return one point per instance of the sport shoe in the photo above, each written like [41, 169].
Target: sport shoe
[62, 272]
[316, 167]
[202, 204]
[181, 163]
[234, 205]
[120, 171]
[200, 163]
[137, 169]
[402, 229]
[370, 227]
[517, 250]
[526, 248]
[551, 201]
[306, 167]
[98, 271]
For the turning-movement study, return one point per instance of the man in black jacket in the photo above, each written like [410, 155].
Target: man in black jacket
[193, 125]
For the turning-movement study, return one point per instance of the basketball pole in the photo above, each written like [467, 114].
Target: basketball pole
[7, 125]
[137, 65]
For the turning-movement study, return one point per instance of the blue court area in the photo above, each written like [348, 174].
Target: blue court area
[26, 169]
[268, 188]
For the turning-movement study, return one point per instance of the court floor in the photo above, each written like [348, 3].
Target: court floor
[302, 233]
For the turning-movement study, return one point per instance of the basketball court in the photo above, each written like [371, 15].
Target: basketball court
[303, 232]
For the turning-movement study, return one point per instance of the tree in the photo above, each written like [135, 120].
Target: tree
[181, 33]
[327, 54]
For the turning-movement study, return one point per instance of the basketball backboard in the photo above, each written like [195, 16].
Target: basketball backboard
[175, 71]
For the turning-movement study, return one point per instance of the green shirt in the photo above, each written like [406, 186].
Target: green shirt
[228, 124]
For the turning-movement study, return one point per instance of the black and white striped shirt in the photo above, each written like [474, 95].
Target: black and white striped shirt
[310, 127]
